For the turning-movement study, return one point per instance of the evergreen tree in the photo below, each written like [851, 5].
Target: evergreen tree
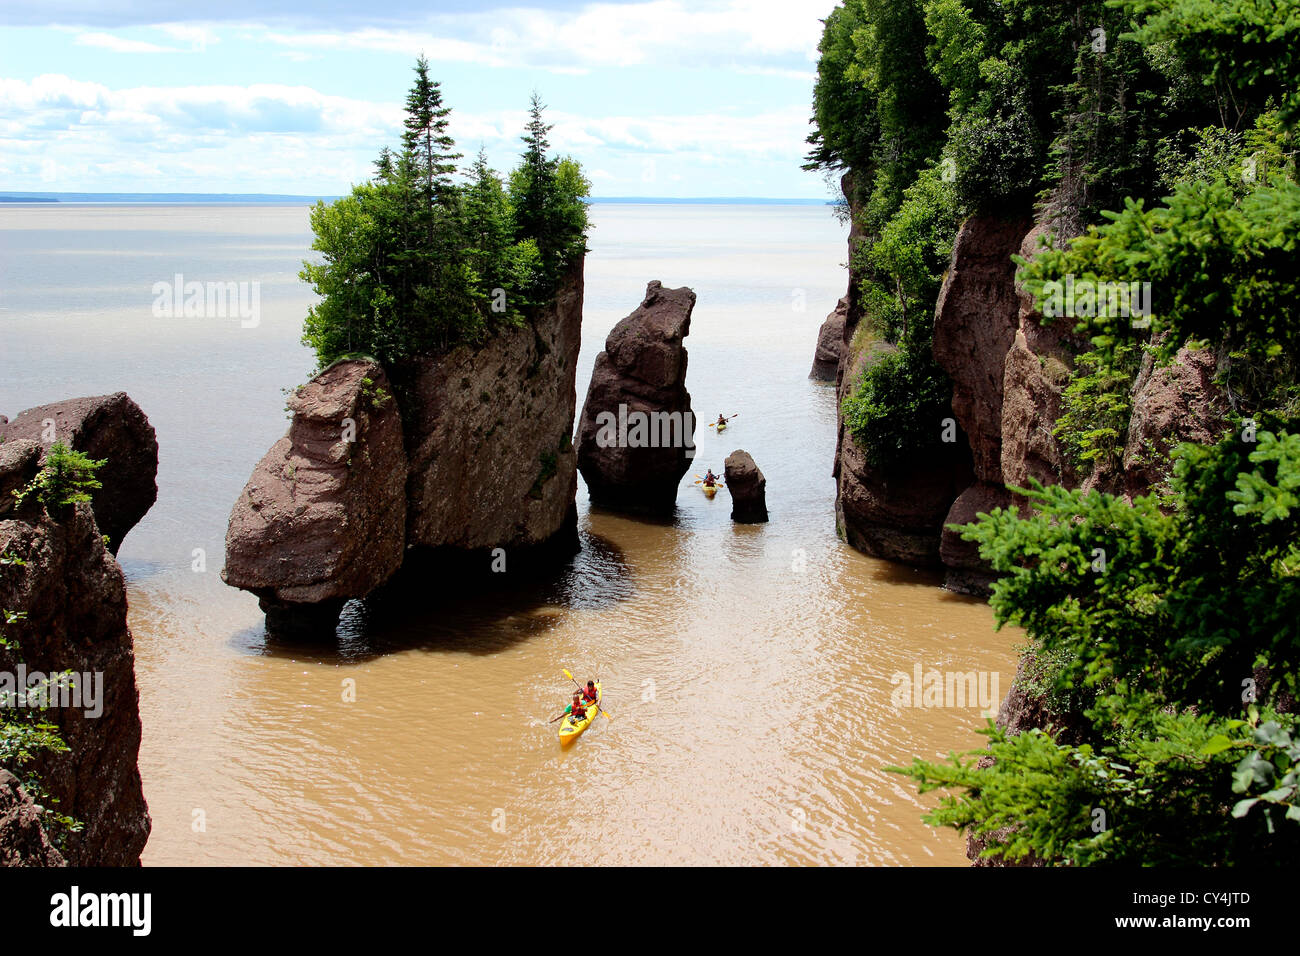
[426, 136]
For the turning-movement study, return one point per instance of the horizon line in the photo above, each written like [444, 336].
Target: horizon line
[22, 196]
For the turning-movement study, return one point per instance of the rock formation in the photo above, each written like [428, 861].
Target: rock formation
[23, 840]
[896, 514]
[830, 344]
[1009, 369]
[448, 456]
[636, 432]
[748, 488]
[73, 595]
[489, 435]
[108, 427]
[323, 518]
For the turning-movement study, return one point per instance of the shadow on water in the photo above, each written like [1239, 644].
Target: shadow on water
[440, 605]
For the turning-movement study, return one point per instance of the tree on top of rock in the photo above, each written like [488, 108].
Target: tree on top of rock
[426, 137]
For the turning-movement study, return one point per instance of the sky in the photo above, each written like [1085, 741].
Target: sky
[665, 98]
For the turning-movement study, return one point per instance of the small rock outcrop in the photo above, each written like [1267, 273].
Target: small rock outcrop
[323, 518]
[111, 427]
[1175, 403]
[636, 432]
[748, 488]
[830, 344]
[23, 840]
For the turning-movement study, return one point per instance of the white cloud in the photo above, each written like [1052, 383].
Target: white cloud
[107, 41]
[775, 35]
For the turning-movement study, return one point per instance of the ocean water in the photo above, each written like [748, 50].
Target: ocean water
[749, 669]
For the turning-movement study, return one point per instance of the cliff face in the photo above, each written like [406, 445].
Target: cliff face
[489, 435]
[894, 514]
[1009, 370]
[73, 595]
[450, 455]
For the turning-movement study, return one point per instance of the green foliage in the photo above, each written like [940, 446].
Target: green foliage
[1242, 51]
[414, 263]
[67, 478]
[24, 736]
[897, 408]
[1222, 271]
[1162, 622]
[1096, 406]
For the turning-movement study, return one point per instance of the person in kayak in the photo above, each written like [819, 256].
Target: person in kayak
[589, 692]
[722, 419]
[710, 479]
[576, 710]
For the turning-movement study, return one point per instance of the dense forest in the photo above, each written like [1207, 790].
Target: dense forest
[1156, 139]
[416, 262]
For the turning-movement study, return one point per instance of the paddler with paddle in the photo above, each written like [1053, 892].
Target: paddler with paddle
[581, 697]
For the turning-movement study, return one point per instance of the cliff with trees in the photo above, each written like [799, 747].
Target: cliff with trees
[1067, 377]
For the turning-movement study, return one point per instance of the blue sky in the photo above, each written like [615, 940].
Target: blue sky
[686, 98]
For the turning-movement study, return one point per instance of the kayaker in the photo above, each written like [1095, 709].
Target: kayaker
[722, 419]
[576, 709]
[589, 692]
[710, 479]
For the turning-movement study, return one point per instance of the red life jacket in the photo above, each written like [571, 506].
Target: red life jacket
[588, 694]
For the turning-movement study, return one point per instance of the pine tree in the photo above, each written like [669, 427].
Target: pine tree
[426, 136]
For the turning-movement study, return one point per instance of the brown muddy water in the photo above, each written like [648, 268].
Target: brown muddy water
[749, 669]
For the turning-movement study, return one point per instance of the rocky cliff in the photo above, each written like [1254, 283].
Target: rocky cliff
[62, 577]
[1009, 369]
[444, 457]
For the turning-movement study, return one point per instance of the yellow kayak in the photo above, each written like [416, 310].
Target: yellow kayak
[722, 427]
[570, 729]
[709, 490]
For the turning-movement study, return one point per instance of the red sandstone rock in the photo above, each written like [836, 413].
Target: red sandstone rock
[831, 344]
[641, 372]
[323, 517]
[108, 427]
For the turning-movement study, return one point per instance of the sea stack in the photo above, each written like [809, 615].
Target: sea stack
[636, 433]
[432, 464]
[748, 488]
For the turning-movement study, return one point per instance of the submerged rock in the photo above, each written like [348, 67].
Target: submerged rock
[323, 517]
[636, 432]
[748, 488]
[111, 427]
[830, 344]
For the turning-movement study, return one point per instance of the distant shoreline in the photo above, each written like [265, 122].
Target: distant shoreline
[248, 199]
